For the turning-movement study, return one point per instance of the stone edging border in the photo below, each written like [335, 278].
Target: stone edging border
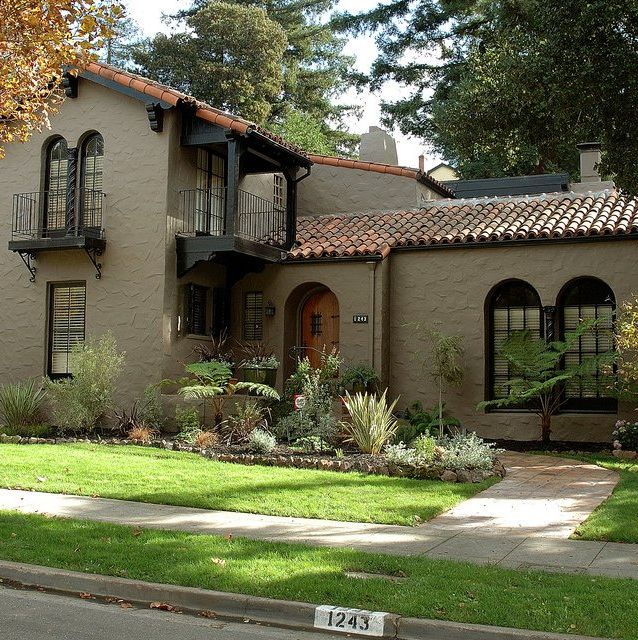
[307, 461]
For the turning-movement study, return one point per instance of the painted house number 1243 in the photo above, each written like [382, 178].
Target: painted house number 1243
[370, 623]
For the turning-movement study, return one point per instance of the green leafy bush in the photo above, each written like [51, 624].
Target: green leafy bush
[425, 447]
[248, 416]
[371, 424]
[309, 444]
[20, 406]
[79, 402]
[626, 434]
[36, 430]
[188, 424]
[150, 410]
[260, 441]
[467, 452]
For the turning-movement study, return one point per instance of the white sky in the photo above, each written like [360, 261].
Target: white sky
[148, 15]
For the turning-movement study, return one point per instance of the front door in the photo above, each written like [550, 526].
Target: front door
[320, 325]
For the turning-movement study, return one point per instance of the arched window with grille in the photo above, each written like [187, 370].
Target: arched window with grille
[91, 181]
[583, 299]
[512, 306]
[55, 187]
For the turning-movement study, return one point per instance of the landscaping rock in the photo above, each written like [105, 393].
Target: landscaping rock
[624, 454]
[462, 475]
[448, 476]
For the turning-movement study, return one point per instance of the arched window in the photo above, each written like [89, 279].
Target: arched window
[55, 187]
[584, 299]
[91, 177]
[512, 306]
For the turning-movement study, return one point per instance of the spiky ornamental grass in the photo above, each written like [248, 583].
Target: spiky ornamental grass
[371, 424]
[20, 403]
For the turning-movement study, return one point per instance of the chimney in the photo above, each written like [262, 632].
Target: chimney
[422, 163]
[378, 146]
[589, 161]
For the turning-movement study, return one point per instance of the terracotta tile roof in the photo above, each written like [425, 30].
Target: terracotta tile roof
[391, 169]
[240, 125]
[487, 220]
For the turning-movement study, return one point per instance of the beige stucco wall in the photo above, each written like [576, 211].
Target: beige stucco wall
[128, 298]
[331, 189]
[444, 172]
[447, 288]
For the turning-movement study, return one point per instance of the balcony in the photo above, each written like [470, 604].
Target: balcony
[257, 227]
[57, 220]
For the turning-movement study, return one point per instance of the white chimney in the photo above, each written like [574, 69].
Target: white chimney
[378, 146]
[589, 161]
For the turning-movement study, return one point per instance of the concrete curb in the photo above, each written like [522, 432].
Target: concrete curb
[278, 613]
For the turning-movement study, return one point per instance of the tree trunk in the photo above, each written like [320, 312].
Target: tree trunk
[546, 428]
[440, 407]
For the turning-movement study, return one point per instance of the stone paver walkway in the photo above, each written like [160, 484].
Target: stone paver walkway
[522, 522]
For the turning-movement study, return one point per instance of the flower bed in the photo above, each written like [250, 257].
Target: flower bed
[286, 457]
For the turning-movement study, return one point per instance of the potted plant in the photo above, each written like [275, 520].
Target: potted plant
[217, 350]
[361, 378]
[259, 364]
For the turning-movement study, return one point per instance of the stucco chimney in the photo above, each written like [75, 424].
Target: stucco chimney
[422, 163]
[378, 146]
[589, 161]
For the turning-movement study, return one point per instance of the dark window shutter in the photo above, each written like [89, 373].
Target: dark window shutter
[196, 307]
[253, 315]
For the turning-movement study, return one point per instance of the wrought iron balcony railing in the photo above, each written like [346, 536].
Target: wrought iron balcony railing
[51, 214]
[204, 213]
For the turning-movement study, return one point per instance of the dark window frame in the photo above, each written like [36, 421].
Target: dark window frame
[51, 288]
[196, 307]
[253, 328]
[599, 404]
[489, 340]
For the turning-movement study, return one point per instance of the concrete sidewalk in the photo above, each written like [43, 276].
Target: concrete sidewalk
[522, 522]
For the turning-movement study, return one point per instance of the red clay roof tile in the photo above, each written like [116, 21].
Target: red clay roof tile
[489, 220]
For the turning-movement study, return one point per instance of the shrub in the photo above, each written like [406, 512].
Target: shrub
[467, 452]
[20, 405]
[248, 416]
[142, 432]
[79, 402]
[206, 439]
[372, 423]
[425, 447]
[626, 433]
[188, 424]
[401, 455]
[309, 444]
[35, 430]
[151, 408]
[261, 441]
[361, 374]
[315, 418]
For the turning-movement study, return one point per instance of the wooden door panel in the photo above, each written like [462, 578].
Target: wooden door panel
[320, 325]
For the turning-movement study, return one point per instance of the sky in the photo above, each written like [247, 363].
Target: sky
[148, 15]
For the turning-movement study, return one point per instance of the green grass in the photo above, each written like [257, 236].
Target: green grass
[440, 589]
[169, 477]
[616, 519]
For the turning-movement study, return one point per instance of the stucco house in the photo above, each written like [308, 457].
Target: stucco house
[164, 220]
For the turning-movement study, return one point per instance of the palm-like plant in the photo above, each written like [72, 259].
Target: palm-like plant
[213, 381]
[371, 424]
[20, 403]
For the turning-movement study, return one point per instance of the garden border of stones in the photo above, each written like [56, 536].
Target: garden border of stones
[372, 465]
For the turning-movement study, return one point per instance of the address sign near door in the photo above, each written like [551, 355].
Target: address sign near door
[359, 621]
[360, 318]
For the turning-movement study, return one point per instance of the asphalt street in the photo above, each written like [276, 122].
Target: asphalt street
[33, 615]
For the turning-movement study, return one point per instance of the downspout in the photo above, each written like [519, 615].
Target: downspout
[373, 269]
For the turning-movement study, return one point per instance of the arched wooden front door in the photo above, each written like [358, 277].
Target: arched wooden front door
[320, 324]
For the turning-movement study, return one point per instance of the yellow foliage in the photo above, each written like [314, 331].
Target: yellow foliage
[38, 38]
[627, 342]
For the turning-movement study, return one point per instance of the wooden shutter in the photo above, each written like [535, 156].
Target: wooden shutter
[196, 309]
[253, 315]
[67, 326]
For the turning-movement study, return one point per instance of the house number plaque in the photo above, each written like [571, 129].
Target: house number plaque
[360, 318]
[359, 621]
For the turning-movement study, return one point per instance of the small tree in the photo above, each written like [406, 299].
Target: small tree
[626, 337]
[541, 375]
[443, 363]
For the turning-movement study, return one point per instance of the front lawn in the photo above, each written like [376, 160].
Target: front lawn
[441, 589]
[169, 477]
[616, 519]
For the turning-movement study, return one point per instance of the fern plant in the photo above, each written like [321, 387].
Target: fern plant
[213, 381]
[371, 424]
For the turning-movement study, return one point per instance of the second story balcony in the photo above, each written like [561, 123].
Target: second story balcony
[255, 227]
[45, 220]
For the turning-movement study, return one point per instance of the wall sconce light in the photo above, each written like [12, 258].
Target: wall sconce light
[269, 309]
